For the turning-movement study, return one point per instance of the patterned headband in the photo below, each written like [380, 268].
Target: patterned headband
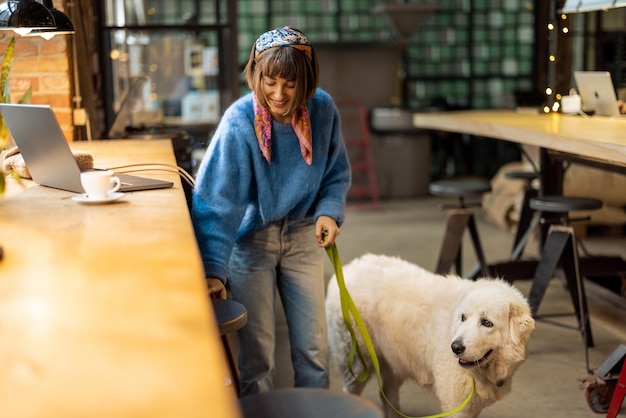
[285, 36]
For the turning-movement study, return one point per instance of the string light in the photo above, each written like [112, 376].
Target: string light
[565, 30]
[551, 70]
[552, 97]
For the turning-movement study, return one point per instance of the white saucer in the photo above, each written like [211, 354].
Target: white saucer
[82, 198]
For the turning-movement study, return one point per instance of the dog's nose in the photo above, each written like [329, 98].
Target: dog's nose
[457, 347]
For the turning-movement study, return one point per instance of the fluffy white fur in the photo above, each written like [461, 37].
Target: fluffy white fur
[439, 331]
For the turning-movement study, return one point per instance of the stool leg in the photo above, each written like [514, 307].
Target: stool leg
[477, 247]
[618, 396]
[560, 245]
[550, 257]
[451, 245]
[575, 286]
[521, 245]
[525, 218]
[234, 374]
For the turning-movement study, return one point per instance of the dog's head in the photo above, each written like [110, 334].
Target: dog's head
[490, 330]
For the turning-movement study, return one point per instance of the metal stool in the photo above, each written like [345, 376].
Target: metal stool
[526, 213]
[560, 247]
[230, 316]
[307, 403]
[460, 217]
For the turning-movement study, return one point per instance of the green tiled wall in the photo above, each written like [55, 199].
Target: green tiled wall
[475, 53]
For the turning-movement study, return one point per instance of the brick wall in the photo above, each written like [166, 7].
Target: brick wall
[45, 66]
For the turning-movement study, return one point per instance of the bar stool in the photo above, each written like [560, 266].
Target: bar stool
[231, 316]
[526, 213]
[460, 217]
[560, 248]
[307, 403]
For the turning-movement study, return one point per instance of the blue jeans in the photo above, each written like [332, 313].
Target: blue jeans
[285, 257]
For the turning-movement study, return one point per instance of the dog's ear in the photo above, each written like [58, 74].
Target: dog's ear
[521, 323]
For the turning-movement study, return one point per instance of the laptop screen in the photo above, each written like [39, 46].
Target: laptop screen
[597, 92]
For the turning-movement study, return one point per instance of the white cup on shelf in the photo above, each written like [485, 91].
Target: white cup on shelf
[99, 184]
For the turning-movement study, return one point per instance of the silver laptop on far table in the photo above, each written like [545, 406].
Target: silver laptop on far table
[597, 92]
[47, 154]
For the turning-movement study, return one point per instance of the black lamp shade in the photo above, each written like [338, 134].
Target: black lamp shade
[63, 22]
[25, 14]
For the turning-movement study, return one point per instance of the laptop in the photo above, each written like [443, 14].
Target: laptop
[47, 154]
[597, 92]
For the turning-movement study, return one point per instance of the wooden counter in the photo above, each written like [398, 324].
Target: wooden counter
[600, 138]
[103, 310]
[595, 141]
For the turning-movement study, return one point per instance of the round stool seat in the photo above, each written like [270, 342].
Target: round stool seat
[521, 175]
[459, 188]
[564, 203]
[230, 315]
[307, 403]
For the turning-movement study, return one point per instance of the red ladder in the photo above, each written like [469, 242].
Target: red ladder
[356, 134]
[618, 395]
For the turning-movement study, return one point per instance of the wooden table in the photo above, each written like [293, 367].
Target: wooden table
[594, 141]
[600, 139]
[103, 309]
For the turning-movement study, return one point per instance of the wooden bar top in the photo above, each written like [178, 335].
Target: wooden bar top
[595, 137]
[103, 309]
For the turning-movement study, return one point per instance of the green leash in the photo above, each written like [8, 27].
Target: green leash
[348, 308]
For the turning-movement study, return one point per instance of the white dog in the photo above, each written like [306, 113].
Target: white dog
[439, 331]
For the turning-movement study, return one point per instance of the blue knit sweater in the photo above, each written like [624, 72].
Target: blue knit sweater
[238, 192]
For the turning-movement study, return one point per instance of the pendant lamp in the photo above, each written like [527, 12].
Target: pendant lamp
[405, 18]
[64, 25]
[24, 16]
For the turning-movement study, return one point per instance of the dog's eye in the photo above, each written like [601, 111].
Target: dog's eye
[486, 323]
[463, 318]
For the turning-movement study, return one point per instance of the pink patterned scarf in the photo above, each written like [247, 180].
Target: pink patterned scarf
[300, 121]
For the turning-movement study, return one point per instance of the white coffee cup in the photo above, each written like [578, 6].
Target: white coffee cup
[98, 184]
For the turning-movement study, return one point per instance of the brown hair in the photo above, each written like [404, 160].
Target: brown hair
[285, 62]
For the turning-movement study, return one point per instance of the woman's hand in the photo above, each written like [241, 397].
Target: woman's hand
[215, 288]
[326, 231]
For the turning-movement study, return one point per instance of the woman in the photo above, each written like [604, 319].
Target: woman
[269, 193]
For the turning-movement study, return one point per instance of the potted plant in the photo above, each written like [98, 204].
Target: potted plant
[5, 97]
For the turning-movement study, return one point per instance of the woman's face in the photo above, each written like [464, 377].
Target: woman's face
[278, 93]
